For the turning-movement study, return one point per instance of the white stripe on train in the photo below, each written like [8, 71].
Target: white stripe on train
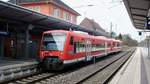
[83, 58]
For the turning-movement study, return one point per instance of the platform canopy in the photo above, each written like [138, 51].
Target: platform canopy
[138, 11]
[17, 13]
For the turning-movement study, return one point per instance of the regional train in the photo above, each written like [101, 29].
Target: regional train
[60, 48]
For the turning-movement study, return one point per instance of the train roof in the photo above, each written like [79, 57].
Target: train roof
[102, 37]
[112, 39]
[65, 31]
[82, 35]
[50, 31]
[119, 41]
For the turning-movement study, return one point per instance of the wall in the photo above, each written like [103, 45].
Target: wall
[47, 9]
[44, 7]
[1, 47]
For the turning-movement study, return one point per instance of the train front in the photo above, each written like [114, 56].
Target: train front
[52, 50]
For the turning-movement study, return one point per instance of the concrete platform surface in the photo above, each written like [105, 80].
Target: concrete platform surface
[11, 69]
[136, 70]
[9, 63]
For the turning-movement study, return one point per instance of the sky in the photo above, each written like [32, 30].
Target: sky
[105, 12]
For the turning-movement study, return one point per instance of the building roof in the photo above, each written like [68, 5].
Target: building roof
[138, 11]
[17, 14]
[92, 25]
[56, 2]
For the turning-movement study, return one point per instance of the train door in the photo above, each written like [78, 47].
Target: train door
[106, 47]
[88, 50]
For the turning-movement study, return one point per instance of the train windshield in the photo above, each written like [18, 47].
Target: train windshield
[54, 41]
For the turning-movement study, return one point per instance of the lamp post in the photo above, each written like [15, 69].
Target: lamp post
[111, 29]
[148, 46]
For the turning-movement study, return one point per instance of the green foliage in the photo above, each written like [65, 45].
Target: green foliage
[127, 40]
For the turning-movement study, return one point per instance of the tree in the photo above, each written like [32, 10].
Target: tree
[127, 40]
[120, 36]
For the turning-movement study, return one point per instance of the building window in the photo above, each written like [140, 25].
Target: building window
[56, 12]
[66, 16]
[73, 19]
[35, 8]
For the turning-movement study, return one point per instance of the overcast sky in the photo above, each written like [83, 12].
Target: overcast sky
[104, 12]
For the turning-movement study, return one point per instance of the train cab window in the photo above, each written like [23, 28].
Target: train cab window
[71, 40]
[53, 41]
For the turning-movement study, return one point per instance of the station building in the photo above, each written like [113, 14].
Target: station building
[54, 8]
[22, 26]
[92, 25]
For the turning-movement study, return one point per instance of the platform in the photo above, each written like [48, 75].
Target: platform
[136, 70]
[12, 68]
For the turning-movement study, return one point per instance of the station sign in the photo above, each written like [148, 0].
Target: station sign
[3, 33]
[148, 23]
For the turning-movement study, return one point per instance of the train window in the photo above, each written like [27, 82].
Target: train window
[97, 47]
[71, 40]
[82, 47]
[79, 47]
[93, 47]
[118, 44]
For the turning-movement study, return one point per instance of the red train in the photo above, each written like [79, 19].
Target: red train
[60, 48]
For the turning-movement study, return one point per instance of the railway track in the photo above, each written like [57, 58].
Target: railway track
[32, 79]
[104, 74]
[47, 77]
[39, 76]
[80, 76]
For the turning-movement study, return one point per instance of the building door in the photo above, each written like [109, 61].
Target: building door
[14, 46]
[20, 48]
[10, 47]
[34, 49]
[1, 47]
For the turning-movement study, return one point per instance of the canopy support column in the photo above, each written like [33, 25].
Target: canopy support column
[27, 37]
